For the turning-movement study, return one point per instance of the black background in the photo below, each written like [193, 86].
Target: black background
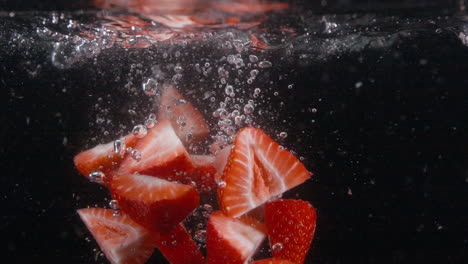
[399, 144]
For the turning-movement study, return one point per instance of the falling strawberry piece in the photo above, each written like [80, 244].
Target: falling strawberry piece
[188, 122]
[232, 240]
[273, 261]
[204, 173]
[121, 239]
[179, 248]
[102, 157]
[291, 227]
[162, 154]
[257, 170]
[154, 203]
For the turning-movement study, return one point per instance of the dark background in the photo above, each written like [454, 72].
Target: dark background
[390, 158]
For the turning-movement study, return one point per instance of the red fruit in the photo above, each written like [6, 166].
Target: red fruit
[121, 239]
[257, 170]
[179, 248]
[221, 159]
[273, 261]
[101, 157]
[162, 154]
[204, 173]
[154, 203]
[232, 240]
[291, 227]
[188, 122]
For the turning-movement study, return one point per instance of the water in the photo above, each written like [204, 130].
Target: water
[374, 104]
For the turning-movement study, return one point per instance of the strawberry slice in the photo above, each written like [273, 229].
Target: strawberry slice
[232, 240]
[154, 203]
[102, 157]
[257, 170]
[162, 154]
[188, 122]
[204, 173]
[273, 261]
[120, 238]
[221, 159]
[179, 248]
[291, 227]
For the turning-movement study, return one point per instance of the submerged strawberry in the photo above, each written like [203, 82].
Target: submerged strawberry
[102, 157]
[162, 154]
[291, 227]
[188, 122]
[121, 239]
[154, 203]
[232, 240]
[257, 170]
[204, 173]
[179, 248]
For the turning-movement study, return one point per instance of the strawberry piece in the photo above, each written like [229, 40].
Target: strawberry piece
[291, 227]
[162, 154]
[121, 239]
[101, 157]
[204, 173]
[188, 122]
[257, 170]
[221, 159]
[232, 240]
[179, 248]
[154, 203]
[273, 261]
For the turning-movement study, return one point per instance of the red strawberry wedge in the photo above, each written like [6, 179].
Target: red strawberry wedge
[101, 157]
[188, 122]
[121, 239]
[257, 170]
[291, 227]
[204, 173]
[232, 240]
[179, 248]
[154, 203]
[273, 261]
[162, 154]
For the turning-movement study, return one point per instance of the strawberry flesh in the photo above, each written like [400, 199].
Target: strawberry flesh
[121, 239]
[162, 154]
[291, 227]
[188, 122]
[154, 203]
[273, 261]
[257, 170]
[232, 240]
[179, 248]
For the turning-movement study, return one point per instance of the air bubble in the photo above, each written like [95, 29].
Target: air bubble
[277, 247]
[149, 123]
[150, 87]
[200, 236]
[114, 204]
[116, 213]
[221, 184]
[119, 147]
[283, 135]
[248, 109]
[265, 64]
[253, 73]
[139, 131]
[136, 154]
[97, 176]
[229, 89]
[178, 69]
[253, 58]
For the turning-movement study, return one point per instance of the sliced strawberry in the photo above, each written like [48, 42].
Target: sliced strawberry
[232, 240]
[101, 157]
[204, 173]
[257, 169]
[291, 227]
[154, 203]
[273, 261]
[121, 239]
[162, 154]
[221, 159]
[187, 121]
[179, 248]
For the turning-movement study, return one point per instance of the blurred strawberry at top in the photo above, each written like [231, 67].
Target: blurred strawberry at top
[155, 6]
